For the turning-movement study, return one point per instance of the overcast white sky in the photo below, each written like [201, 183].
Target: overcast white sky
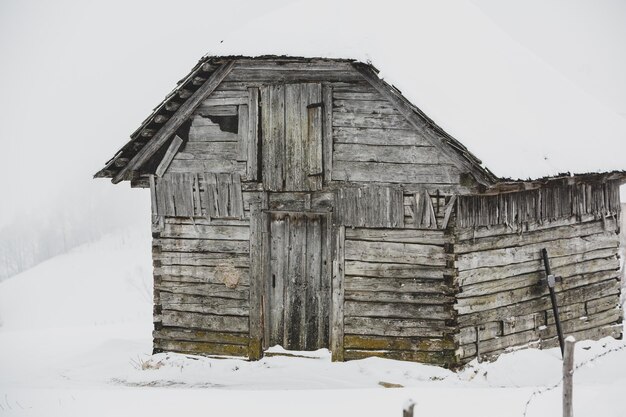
[77, 77]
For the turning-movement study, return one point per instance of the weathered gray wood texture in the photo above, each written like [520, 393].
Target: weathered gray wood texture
[204, 195]
[292, 136]
[303, 208]
[397, 297]
[299, 282]
[503, 297]
[202, 287]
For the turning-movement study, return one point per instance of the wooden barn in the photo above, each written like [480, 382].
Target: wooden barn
[304, 202]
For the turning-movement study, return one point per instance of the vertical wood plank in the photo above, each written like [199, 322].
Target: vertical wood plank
[253, 134]
[197, 203]
[258, 232]
[312, 282]
[153, 199]
[273, 98]
[279, 237]
[243, 132]
[236, 198]
[326, 281]
[223, 193]
[336, 342]
[327, 100]
[295, 299]
[313, 145]
[295, 173]
[417, 210]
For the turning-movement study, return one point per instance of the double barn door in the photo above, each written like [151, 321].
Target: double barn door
[298, 287]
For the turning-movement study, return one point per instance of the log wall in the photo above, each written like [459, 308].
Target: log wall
[503, 301]
[373, 142]
[202, 286]
[397, 295]
[422, 268]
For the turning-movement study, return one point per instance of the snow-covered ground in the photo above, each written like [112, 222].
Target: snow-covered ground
[75, 341]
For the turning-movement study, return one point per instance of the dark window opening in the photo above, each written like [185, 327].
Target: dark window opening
[226, 123]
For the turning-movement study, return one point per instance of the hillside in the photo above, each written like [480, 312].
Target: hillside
[75, 340]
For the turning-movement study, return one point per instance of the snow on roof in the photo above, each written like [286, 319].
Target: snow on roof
[512, 110]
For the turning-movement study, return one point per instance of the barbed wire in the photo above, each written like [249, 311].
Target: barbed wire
[543, 390]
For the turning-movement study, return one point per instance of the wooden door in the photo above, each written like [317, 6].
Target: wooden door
[299, 287]
[291, 132]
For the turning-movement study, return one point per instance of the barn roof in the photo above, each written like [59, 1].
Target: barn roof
[148, 139]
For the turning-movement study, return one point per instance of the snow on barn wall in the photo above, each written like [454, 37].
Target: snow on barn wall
[306, 203]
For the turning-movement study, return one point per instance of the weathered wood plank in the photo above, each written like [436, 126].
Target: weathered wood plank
[212, 110]
[313, 132]
[395, 173]
[392, 296]
[364, 106]
[259, 236]
[200, 166]
[327, 132]
[397, 343]
[202, 259]
[399, 310]
[208, 151]
[402, 154]
[395, 270]
[267, 76]
[205, 274]
[182, 334]
[314, 313]
[440, 357]
[378, 137]
[392, 252]
[202, 245]
[273, 115]
[381, 326]
[200, 231]
[376, 121]
[253, 134]
[204, 321]
[428, 237]
[337, 307]
[169, 156]
[204, 304]
[200, 348]
[397, 285]
[279, 259]
[206, 290]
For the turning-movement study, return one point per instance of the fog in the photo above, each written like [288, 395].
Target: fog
[77, 77]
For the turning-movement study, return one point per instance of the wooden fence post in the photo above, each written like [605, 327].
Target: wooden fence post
[407, 411]
[568, 376]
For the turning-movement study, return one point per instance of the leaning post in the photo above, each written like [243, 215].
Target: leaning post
[568, 376]
[407, 410]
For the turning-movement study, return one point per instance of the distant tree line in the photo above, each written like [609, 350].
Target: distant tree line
[33, 237]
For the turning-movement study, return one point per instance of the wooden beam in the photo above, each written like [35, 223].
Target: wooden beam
[259, 236]
[170, 127]
[336, 323]
[169, 156]
[405, 108]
